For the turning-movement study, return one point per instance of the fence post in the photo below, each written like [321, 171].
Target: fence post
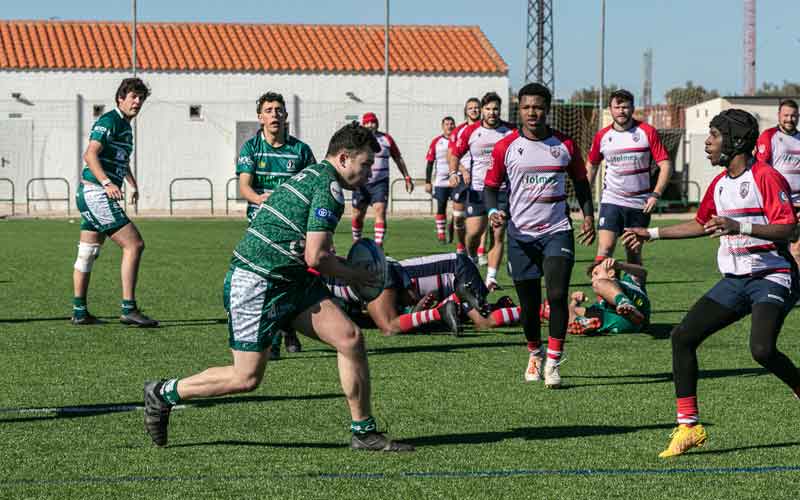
[29, 199]
[210, 198]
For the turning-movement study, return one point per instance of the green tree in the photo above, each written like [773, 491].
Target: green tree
[788, 89]
[689, 95]
[589, 95]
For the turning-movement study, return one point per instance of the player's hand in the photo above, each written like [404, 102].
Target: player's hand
[650, 204]
[498, 218]
[263, 197]
[113, 192]
[428, 188]
[452, 180]
[134, 196]
[634, 237]
[409, 185]
[578, 297]
[608, 263]
[720, 226]
[466, 176]
[587, 234]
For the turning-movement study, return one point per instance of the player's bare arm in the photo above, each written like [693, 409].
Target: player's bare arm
[134, 188]
[92, 159]
[664, 174]
[247, 191]
[318, 255]
[634, 237]
[583, 191]
[720, 226]
[632, 269]
[401, 164]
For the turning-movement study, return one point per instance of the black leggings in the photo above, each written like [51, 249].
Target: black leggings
[557, 271]
[707, 317]
[441, 206]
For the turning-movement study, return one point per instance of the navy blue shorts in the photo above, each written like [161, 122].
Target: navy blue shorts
[459, 192]
[371, 194]
[616, 218]
[475, 203]
[441, 195]
[741, 293]
[525, 258]
[467, 272]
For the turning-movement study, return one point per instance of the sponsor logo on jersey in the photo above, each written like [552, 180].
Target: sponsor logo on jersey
[539, 179]
[555, 151]
[262, 164]
[100, 128]
[121, 156]
[336, 192]
[744, 188]
[635, 137]
[290, 166]
[326, 215]
[245, 160]
[761, 148]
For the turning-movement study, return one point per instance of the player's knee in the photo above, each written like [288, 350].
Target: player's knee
[87, 254]
[762, 353]
[248, 382]
[557, 294]
[351, 340]
[681, 338]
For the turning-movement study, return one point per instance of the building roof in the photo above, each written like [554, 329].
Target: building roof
[91, 45]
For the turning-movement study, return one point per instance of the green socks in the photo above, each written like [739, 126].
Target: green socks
[128, 306]
[79, 309]
[168, 391]
[363, 426]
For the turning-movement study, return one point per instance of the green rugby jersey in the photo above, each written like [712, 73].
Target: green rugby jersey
[633, 291]
[115, 134]
[274, 244]
[269, 166]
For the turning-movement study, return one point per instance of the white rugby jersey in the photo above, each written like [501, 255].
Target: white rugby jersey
[437, 153]
[537, 178]
[380, 167]
[464, 160]
[760, 195]
[434, 274]
[478, 141]
[782, 151]
[627, 154]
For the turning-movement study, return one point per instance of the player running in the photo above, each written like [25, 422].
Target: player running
[535, 161]
[748, 207]
[477, 141]
[622, 303]
[270, 157]
[437, 165]
[268, 287]
[628, 146]
[780, 147]
[107, 160]
[376, 192]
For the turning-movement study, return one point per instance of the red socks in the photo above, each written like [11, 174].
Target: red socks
[411, 321]
[441, 223]
[554, 348]
[505, 316]
[380, 232]
[687, 410]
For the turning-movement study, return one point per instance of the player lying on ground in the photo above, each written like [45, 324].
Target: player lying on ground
[622, 304]
[268, 287]
[748, 207]
[437, 288]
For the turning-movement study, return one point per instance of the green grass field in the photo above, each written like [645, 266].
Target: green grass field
[71, 422]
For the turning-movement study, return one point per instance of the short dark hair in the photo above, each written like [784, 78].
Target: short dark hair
[620, 95]
[352, 137]
[270, 97]
[448, 118]
[536, 89]
[491, 97]
[135, 85]
[788, 102]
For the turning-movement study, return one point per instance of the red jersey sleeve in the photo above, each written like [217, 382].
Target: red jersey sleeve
[393, 149]
[657, 149]
[708, 208]
[461, 145]
[774, 191]
[497, 170]
[764, 145]
[595, 156]
[576, 168]
[431, 156]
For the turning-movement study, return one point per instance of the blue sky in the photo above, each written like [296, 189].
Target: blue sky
[698, 40]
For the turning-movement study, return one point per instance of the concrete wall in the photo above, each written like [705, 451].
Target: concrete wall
[170, 144]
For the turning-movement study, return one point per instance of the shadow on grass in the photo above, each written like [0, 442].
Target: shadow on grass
[65, 319]
[440, 348]
[743, 448]
[659, 378]
[79, 411]
[533, 433]
[659, 330]
[172, 323]
[265, 444]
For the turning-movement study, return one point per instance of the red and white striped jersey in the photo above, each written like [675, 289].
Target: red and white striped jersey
[434, 274]
[478, 141]
[627, 154]
[380, 167]
[536, 172]
[759, 196]
[782, 151]
[437, 153]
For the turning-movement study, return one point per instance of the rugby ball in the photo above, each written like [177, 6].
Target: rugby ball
[366, 254]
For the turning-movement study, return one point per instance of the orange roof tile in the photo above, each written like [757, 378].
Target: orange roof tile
[245, 47]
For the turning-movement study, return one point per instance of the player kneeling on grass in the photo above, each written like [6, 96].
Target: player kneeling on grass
[622, 305]
[268, 287]
[748, 207]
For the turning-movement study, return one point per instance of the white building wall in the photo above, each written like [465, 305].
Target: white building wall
[171, 145]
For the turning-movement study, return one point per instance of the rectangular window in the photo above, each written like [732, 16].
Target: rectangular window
[98, 110]
[195, 112]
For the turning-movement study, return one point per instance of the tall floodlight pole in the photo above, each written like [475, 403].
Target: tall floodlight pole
[749, 47]
[386, 70]
[539, 64]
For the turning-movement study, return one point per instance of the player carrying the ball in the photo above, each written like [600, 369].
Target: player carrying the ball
[269, 287]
